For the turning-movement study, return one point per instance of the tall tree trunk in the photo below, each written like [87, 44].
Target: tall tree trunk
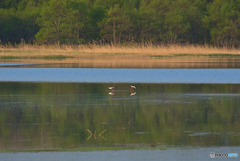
[114, 34]
[58, 31]
[78, 33]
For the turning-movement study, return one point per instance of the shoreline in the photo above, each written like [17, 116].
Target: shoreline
[85, 149]
[107, 56]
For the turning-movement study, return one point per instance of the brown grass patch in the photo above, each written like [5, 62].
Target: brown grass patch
[103, 50]
[130, 56]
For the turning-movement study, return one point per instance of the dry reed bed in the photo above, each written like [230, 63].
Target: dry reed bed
[107, 56]
[135, 51]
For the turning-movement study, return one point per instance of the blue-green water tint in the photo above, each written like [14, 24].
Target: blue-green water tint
[59, 115]
[196, 154]
[103, 75]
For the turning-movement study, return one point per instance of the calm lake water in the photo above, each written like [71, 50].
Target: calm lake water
[60, 115]
[55, 108]
[103, 75]
[196, 154]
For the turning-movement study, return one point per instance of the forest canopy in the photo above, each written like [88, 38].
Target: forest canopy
[215, 22]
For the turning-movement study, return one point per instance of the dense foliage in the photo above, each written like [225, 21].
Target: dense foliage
[214, 22]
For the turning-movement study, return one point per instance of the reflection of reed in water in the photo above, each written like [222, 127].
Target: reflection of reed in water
[131, 62]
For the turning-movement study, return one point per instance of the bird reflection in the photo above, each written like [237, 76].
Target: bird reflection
[111, 93]
[132, 88]
[132, 94]
[111, 88]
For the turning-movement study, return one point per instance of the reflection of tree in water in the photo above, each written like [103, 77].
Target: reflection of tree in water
[47, 115]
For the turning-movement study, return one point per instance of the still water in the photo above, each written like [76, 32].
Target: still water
[73, 115]
[196, 154]
[103, 75]
[68, 108]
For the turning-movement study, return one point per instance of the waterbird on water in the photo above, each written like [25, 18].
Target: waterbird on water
[110, 87]
[132, 86]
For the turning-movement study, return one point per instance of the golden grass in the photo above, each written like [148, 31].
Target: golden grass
[119, 56]
[103, 50]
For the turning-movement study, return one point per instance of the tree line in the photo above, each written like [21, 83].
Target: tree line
[215, 22]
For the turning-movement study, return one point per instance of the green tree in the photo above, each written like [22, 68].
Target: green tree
[109, 3]
[9, 4]
[96, 15]
[78, 16]
[147, 22]
[9, 26]
[53, 21]
[176, 24]
[223, 22]
[119, 21]
[28, 14]
[61, 21]
[113, 25]
[198, 34]
[16, 25]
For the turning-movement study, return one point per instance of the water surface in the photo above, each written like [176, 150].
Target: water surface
[103, 75]
[60, 115]
[196, 154]
[67, 108]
